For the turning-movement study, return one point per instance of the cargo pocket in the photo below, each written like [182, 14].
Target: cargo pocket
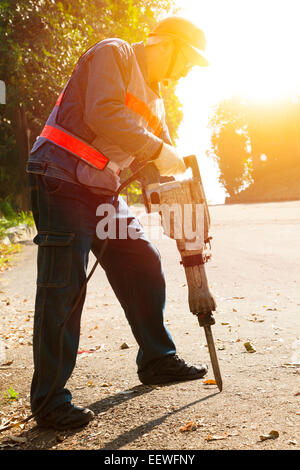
[52, 185]
[54, 258]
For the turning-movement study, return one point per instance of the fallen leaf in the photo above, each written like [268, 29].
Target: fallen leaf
[215, 438]
[200, 423]
[90, 383]
[271, 435]
[190, 426]
[6, 363]
[255, 319]
[249, 347]
[210, 382]
[124, 346]
[91, 350]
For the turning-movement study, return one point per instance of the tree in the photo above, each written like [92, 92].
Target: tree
[251, 142]
[230, 145]
[274, 133]
[40, 43]
[173, 108]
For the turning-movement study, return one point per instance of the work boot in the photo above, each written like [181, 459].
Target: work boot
[65, 416]
[171, 369]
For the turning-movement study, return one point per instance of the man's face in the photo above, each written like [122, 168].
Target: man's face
[171, 60]
[184, 62]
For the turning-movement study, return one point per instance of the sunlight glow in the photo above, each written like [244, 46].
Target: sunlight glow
[253, 45]
[253, 48]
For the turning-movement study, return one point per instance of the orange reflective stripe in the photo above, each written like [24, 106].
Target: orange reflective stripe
[59, 99]
[75, 146]
[140, 107]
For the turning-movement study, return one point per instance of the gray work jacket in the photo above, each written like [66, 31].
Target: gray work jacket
[123, 113]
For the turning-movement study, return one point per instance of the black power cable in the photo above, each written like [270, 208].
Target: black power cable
[126, 183]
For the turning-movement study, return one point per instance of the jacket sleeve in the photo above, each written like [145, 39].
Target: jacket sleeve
[105, 110]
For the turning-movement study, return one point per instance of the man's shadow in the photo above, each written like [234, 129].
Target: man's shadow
[49, 436]
[130, 436]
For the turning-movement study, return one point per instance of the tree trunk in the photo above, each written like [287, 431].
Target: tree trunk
[22, 134]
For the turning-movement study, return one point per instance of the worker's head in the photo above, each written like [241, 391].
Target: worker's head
[173, 47]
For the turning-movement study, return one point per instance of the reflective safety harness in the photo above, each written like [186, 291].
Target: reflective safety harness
[70, 142]
[84, 150]
[140, 107]
[75, 146]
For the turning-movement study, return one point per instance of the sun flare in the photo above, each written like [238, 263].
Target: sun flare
[252, 46]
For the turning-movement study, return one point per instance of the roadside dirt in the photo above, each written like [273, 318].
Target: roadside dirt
[254, 275]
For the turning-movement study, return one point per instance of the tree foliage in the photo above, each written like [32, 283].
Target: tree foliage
[250, 141]
[274, 133]
[40, 43]
[230, 146]
[173, 108]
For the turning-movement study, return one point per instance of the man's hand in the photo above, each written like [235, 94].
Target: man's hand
[169, 163]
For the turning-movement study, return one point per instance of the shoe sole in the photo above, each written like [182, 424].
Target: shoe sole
[61, 428]
[163, 379]
[58, 427]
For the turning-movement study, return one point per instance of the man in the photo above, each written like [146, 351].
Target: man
[109, 115]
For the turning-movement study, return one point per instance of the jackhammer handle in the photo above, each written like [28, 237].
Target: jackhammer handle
[206, 319]
[191, 162]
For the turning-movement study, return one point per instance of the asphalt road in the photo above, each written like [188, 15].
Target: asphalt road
[254, 276]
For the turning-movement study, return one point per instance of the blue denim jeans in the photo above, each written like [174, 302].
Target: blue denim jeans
[66, 220]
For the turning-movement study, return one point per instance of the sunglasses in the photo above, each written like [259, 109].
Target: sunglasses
[188, 64]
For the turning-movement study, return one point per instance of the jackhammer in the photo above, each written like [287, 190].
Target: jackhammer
[182, 205]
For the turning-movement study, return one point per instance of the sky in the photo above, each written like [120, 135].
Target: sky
[253, 50]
